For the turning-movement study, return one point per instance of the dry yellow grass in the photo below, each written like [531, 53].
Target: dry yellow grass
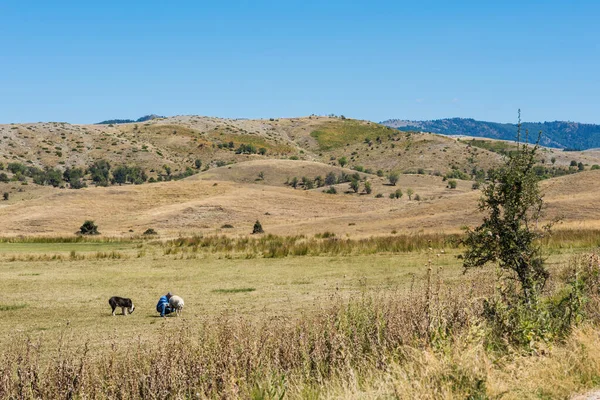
[198, 206]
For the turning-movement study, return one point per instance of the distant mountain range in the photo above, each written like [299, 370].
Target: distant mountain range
[129, 121]
[559, 134]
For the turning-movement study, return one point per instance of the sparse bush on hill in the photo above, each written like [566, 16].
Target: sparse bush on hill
[3, 177]
[379, 195]
[409, 193]
[331, 190]
[342, 161]
[149, 232]
[452, 184]
[393, 178]
[5, 196]
[595, 166]
[89, 228]
[257, 228]
[198, 163]
[330, 179]
[354, 185]
[368, 188]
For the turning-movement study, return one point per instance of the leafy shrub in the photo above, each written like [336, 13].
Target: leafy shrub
[149, 232]
[257, 228]
[451, 184]
[379, 195]
[393, 178]
[3, 177]
[331, 190]
[595, 166]
[89, 228]
[5, 196]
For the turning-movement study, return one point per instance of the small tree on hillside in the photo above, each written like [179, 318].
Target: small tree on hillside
[342, 161]
[257, 228]
[409, 193]
[89, 228]
[393, 178]
[368, 188]
[355, 185]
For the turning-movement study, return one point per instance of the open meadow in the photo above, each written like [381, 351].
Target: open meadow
[248, 305]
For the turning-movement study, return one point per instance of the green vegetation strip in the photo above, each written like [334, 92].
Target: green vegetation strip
[12, 307]
[238, 290]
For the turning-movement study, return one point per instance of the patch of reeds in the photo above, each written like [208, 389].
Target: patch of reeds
[65, 239]
[272, 246]
[72, 256]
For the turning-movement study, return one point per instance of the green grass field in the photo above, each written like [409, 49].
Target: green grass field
[49, 286]
[46, 295]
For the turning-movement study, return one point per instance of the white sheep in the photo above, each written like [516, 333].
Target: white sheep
[176, 303]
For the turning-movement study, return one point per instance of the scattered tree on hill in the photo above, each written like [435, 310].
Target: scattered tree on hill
[257, 228]
[342, 161]
[319, 181]
[397, 194]
[99, 172]
[3, 177]
[331, 190]
[294, 182]
[198, 163]
[89, 228]
[393, 178]
[261, 176]
[120, 174]
[368, 188]
[330, 178]
[553, 160]
[573, 163]
[595, 166]
[74, 177]
[5, 196]
[580, 166]
[451, 184]
[409, 193]
[354, 185]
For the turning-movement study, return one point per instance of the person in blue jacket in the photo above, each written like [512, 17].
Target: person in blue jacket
[163, 305]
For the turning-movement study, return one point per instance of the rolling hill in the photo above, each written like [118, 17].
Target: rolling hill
[245, 171]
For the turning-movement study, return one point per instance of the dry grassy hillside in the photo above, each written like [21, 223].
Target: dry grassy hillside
[199, 206]
[179, 141]
[232, 188]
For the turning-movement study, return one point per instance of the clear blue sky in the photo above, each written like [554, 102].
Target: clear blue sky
[85, 61]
